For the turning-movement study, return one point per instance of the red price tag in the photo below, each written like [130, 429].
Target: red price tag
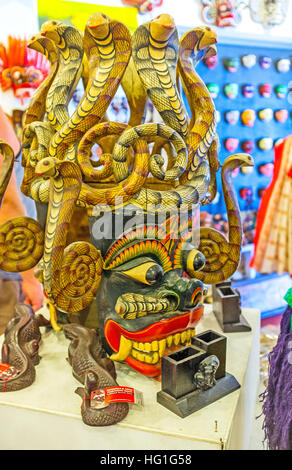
[103, 397]
[7, 371]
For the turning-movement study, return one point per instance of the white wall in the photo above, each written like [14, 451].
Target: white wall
[19, 17]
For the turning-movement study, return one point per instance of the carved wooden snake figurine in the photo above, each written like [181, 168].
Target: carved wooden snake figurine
[20, 347]
[93, 369]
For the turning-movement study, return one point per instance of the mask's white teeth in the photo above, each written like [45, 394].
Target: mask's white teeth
[124, 351]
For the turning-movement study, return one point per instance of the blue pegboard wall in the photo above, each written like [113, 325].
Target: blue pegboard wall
[274, 129]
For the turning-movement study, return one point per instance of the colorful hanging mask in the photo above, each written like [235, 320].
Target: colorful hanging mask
[248, 91]
[265, 90]
[265, 62]
[231, 144]
[266, 143]
[222, 12]
[232, 117]
[281, 91]
[249, 60]
[248, 117]
[231, 90]
[283, 65]
[231, 64]
[213, 89]
[281, 115]
[248, 146]
[266, 114]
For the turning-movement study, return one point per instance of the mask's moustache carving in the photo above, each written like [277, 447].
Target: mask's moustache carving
[131, 306]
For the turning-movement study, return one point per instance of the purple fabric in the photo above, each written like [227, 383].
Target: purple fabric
[277, 399]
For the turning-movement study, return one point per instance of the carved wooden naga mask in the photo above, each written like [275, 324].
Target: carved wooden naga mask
[147, 303]
[146, 275]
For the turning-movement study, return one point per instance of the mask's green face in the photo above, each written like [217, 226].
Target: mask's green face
[147, 306]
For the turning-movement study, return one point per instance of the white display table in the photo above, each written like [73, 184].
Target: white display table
[47, 414]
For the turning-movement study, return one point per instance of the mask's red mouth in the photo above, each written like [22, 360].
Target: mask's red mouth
[142, 350]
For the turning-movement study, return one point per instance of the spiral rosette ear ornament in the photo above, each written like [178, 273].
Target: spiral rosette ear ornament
[80, 276]
[21, 244]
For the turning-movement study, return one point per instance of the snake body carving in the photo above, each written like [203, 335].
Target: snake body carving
[20, 347]
[71, 274]
[222, 256]
[202, 141]
[37, 105]
[68, 41]
[93, 369]
[109, 41]
[155, 49]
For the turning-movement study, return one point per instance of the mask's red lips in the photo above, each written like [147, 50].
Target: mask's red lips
[114, 334]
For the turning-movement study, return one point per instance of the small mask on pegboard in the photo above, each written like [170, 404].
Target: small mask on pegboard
[248, 60]
[231, 117]
[213, 89]
[281, 115]
[248, 146]
[281, 91]
[283, 65]
[231, 64]
[231, 144]
[248, 117]
[265, 90]
[211, 61]
[266, 114]
[266, 169]
[248, 90]
[231, 90]
[265, 144]
[265, 62]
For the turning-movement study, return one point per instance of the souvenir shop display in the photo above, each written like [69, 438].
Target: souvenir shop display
[270, 98]
[144, 269]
